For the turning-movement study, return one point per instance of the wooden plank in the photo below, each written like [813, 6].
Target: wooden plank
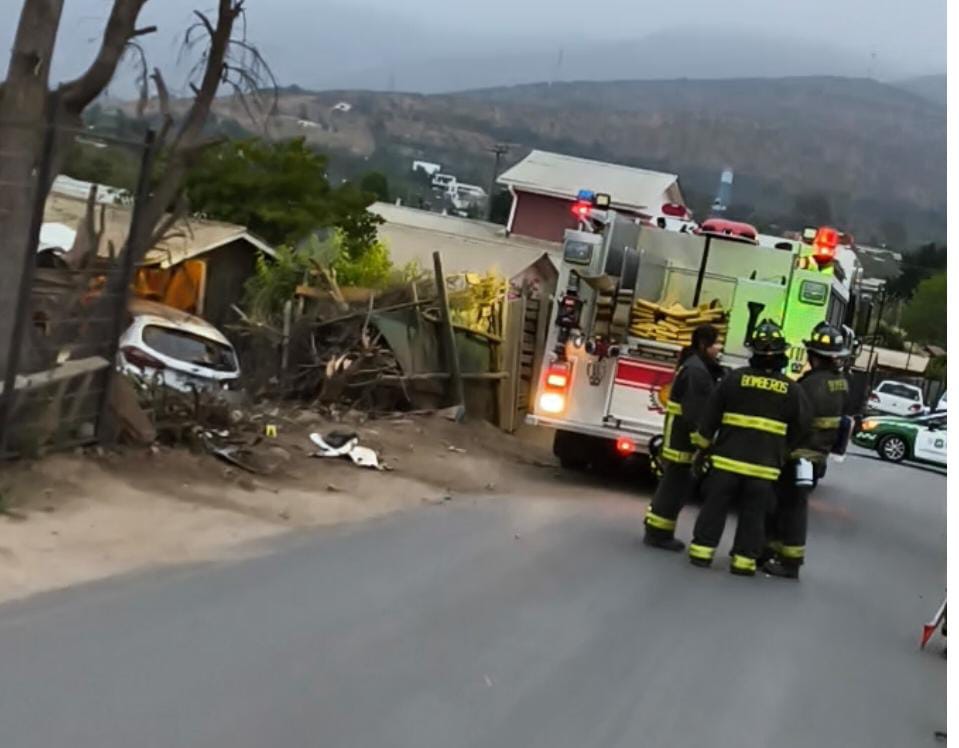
[67, 370]
[456, 391]
[509, 401]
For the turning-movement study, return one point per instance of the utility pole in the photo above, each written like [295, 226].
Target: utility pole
[499, 150]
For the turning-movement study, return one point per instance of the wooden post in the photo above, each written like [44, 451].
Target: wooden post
[285, 344]
[447, 336]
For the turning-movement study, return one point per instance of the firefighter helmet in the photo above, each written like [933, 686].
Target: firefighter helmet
[827, 340]
[767, 339]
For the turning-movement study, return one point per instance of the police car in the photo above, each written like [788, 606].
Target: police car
[895, 439]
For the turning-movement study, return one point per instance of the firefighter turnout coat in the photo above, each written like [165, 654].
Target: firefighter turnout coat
[828, 393]
[752, 422]
[688, 396]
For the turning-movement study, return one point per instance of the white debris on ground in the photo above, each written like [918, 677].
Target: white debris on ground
[71, 518]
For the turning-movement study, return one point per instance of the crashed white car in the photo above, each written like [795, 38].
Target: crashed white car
[166, 346]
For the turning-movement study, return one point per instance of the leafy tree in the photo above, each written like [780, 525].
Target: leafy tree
[275, 280]
[375, 183]
[280, 191]
[936, 369]
[926, 261]
[115, 167]
[356, 224]
[925, 316]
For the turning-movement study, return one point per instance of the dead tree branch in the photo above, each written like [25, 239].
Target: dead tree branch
[120, 29]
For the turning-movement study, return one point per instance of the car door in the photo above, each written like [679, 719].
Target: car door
[930, 443]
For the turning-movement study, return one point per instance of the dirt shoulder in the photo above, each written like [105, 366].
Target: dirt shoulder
[77, 517]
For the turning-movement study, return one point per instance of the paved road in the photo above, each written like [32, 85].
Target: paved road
[502, 623]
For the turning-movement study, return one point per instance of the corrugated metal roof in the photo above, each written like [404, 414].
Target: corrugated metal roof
[190, 237]
[564, 176]
[885, 358]
[882, 264]
[413, 235]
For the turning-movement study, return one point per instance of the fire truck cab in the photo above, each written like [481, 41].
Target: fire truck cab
[604, 378]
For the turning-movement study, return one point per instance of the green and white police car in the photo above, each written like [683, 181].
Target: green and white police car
[922, 438]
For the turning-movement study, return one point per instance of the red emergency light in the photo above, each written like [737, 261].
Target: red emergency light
[735, 230]
[582, 209]
[824, 245]
[675, 210]
[625, 446]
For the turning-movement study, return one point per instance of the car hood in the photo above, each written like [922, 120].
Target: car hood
[892, 420]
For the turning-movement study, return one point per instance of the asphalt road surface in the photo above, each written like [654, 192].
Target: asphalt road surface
[513, 623]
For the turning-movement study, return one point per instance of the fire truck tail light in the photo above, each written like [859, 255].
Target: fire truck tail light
[625, 446]
[552, 402]
[553, 399]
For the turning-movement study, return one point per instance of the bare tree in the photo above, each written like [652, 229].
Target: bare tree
[223, 57]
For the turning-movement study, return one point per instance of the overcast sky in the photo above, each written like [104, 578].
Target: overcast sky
[318, 42]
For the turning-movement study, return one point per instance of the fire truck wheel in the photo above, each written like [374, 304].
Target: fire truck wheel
[572, 450]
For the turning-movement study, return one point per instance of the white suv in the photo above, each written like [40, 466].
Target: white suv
[176, 349]
[896, 399]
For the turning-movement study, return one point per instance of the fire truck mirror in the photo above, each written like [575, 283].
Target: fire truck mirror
[755, 309]
[630, 269]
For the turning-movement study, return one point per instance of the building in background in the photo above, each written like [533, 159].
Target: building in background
[545, 185]
[199, 267]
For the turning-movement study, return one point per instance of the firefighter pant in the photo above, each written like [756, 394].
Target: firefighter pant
[787, 526]
[720, 489]
[672, 493]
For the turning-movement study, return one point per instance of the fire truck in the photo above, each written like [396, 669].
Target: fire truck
[604, 379]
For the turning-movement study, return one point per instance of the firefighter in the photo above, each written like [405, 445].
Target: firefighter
[828, 394]
[753, 419]
[695, 379]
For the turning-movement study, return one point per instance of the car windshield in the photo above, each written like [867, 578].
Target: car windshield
[190, 348]
[900, 390]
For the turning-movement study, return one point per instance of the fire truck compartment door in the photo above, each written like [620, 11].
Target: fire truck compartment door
[635, 396]
[771, 295]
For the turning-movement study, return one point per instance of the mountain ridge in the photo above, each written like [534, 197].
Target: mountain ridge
[876, 151]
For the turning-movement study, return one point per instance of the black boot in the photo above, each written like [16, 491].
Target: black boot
[702, 563]
[665, 543]
[776, 568]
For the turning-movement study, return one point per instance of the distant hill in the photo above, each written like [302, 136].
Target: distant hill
[930, 87]
[876, 151]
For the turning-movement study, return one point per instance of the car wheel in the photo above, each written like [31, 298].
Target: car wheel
[892, 448]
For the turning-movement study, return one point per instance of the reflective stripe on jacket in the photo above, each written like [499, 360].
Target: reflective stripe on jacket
[752, 422]
[828, 394]
[688, 395]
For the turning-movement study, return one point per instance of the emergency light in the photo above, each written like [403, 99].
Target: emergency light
[586, 200]
[824, 246]
[582, 209]
[675, 210]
